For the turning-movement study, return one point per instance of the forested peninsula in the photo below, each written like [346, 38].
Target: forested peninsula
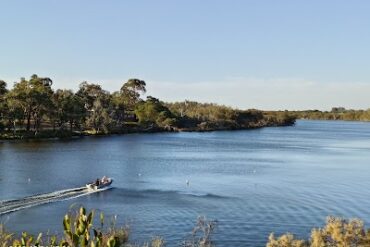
[33, 109]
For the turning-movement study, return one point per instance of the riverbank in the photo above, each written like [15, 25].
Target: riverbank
[136, 128]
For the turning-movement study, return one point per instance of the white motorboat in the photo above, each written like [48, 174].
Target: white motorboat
[100, 183]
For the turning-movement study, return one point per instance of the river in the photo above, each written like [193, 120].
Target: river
[253, 182]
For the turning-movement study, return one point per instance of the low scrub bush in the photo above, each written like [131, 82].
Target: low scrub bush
[337, 232]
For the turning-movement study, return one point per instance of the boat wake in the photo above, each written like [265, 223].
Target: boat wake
[35, 200]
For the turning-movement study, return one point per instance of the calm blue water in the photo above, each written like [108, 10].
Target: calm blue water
[252, 182]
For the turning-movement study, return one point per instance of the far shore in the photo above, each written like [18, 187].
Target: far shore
[32, 109]
[66, 134]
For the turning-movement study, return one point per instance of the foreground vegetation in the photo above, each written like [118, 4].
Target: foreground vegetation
[80, 231]
[336, 233]
[32, 109]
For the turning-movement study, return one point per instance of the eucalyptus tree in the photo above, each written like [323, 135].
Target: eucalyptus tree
[42, 94]
[90, 92]
[97, 103]
[10, 110]
[131, 91]
[68, 108]
[34, 98]
[3, 91]
[13, 113]
[117, 109]
[154, 112]
[99, 118]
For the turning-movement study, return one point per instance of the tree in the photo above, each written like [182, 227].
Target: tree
[97, 103]
[14, 113]
[118, 108]
[3, 89]
[41, 93]
[69, 108]
[90, 92]
[34, 97]
[10, 110]
[3, 92]
[152, 111]
[99, 118]
[131, 92]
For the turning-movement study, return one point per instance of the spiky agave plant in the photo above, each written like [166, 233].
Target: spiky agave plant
[5, 237]
[78, 232]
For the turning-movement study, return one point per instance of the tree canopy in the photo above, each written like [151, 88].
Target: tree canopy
[131, 91]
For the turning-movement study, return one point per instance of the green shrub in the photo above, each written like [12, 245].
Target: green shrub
[337, 232]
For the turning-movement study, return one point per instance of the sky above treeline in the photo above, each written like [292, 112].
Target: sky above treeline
[248, 54]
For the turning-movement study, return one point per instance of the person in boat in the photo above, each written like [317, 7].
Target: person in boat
[97, 182]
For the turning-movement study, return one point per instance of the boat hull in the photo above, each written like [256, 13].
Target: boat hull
[94, 187]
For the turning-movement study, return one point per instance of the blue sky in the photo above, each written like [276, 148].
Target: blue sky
[248, 54]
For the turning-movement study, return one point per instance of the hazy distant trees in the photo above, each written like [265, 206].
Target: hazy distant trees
[337, 113]
[338, 109]
[207, 116]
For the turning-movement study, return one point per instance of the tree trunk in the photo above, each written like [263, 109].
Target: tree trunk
[35, 119]
[14, 127]
[28, 121]
[38, 125]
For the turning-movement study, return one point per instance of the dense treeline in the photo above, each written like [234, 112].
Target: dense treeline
[337, 113]
[206, 116]
[31, 108]
[32, 105]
